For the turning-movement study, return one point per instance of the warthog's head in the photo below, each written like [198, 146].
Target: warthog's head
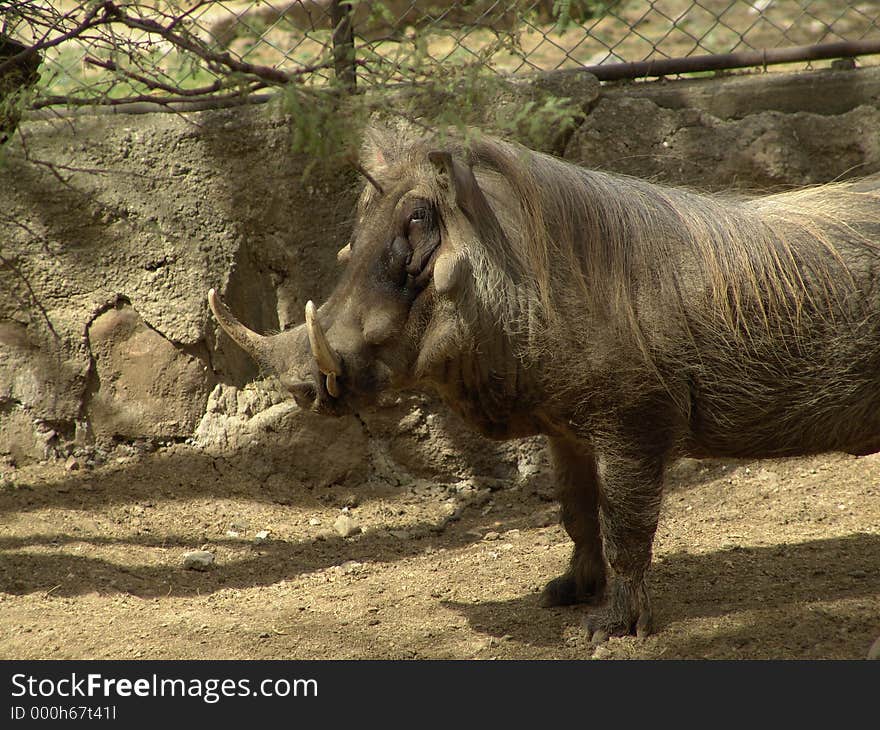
[404, 307]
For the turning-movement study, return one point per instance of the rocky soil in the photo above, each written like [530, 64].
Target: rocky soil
[762, 560]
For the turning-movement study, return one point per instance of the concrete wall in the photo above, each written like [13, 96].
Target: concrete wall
[757, 132]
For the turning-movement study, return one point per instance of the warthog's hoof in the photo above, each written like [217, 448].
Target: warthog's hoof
[627, 612]
[606, 622]
[564, 591]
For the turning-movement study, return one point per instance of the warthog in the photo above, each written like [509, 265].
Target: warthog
[628, 322]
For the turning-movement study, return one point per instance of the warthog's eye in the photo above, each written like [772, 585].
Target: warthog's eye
[419, 223]
[417, 236]
[423, 234]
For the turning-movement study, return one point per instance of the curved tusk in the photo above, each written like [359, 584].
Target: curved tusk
[332, 387]
[247, 339]
[326, 357]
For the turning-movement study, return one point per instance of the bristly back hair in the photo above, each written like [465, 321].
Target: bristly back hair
[623, 242]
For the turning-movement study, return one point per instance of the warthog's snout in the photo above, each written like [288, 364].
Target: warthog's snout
[315, 374]
[309, 391]
[304, 392]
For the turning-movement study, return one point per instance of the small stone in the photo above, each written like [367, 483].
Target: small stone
[198, 560]
[351, 501]
[314, 522]
[491, 535]
[232, 533]
[72, 463]
[261, 536]
[350, 566]
[480, 498]
[874, 651]
[345, 526]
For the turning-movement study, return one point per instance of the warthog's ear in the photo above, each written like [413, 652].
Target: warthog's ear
[376, 151]
[457, 180]
[465, 193]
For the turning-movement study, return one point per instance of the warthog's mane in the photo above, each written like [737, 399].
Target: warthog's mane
[587, 245]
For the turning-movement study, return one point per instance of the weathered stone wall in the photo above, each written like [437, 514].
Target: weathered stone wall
[104, 330]
[747, 133]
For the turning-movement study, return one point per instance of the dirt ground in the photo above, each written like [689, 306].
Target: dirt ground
[776, 559]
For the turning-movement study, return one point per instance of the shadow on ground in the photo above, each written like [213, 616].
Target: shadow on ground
[757, 581]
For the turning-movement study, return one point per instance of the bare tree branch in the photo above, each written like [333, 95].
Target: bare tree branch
[97, 22]
[89, 21]
[218, 85]
[134, 98]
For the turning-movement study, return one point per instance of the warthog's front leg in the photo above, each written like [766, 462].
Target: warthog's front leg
[631, 485]
[577, 489]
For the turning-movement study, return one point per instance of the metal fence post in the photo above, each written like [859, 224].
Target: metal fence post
[343, 44]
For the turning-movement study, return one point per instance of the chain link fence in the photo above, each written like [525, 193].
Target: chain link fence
[143, 49]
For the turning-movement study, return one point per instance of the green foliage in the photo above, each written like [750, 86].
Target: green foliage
[534, 120]
[438, 65]
[409, 79]
[567, 13]
[326, 124]
[378, 11]
[322, 123]
[14, 100]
